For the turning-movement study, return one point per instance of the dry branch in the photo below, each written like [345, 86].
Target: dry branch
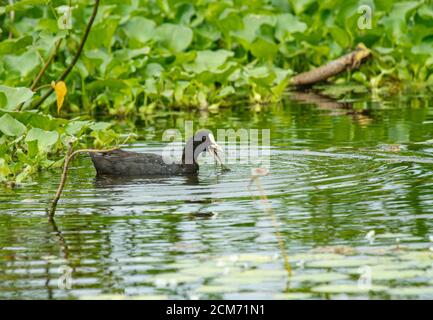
[349, 61]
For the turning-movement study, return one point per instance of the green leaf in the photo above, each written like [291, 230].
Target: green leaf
[3, 100]
[262, 48]
[252, 24]
[11, 127]
[23, 64]
[14, 96]
[396, 22]
[15, 46]
[45, 138]
[4, 169]
[100, 126]
[24, 4]
[288, 24]
[174, 37]
[75, 127]
[207, 60]
[340, 36]
[140, 29]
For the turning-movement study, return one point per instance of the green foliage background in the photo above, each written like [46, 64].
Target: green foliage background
[142, 56]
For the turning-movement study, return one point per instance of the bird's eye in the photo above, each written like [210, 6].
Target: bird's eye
[203, 139]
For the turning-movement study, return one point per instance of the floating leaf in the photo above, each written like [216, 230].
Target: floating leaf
[347, 288]
[319, 277]
[45, 138]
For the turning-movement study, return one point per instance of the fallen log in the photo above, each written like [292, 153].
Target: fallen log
[349, 61]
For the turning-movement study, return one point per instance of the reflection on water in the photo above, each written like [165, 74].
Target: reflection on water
[336, 174]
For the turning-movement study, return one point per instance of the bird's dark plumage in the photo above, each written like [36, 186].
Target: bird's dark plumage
[126, 163]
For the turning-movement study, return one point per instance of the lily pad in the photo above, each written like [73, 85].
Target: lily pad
[347, 288]
[319, 277]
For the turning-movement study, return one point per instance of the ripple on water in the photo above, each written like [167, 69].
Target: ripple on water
[182, 237]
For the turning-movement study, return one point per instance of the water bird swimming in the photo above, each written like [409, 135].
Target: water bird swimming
[126, 163]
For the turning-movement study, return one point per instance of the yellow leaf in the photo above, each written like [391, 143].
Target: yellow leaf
[60, 89]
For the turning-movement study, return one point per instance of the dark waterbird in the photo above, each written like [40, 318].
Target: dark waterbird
[126, 163]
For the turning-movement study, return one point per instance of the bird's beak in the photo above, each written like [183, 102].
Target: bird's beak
[215, 149]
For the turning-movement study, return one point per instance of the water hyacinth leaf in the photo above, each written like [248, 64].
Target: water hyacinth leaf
[74, 127]
[340, 36]
[23, 64]
[45, 139]
[15, 46]
[154, 70]
[226, 91]
[4, 169]
[3, 100]
[208, 60]
[102, 33]
[396, 21]
[263, 48]
[11, 127]
[99, 126]
[140, 29]
[24, 4]
[426, 11]
[32, 148]
[174, 37]
[301, 5]
[288, 24]
[12, 97]
[251, 27]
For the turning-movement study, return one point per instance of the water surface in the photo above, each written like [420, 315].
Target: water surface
[337, 172]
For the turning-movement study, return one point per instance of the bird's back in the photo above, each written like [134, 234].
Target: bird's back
[126, 163]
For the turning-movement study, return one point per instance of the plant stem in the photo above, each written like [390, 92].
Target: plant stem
[68, 158]
[270, 211]
[76, 57]
[45, 67]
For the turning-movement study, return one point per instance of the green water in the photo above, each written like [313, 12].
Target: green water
[337, 172]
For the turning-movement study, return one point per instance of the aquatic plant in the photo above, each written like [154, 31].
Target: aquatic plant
[145, 55]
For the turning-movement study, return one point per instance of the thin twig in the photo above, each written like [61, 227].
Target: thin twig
[41, 87]
[47, 63]
[68, 158]
[12, 18]
[76, 57]
[270, 211]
